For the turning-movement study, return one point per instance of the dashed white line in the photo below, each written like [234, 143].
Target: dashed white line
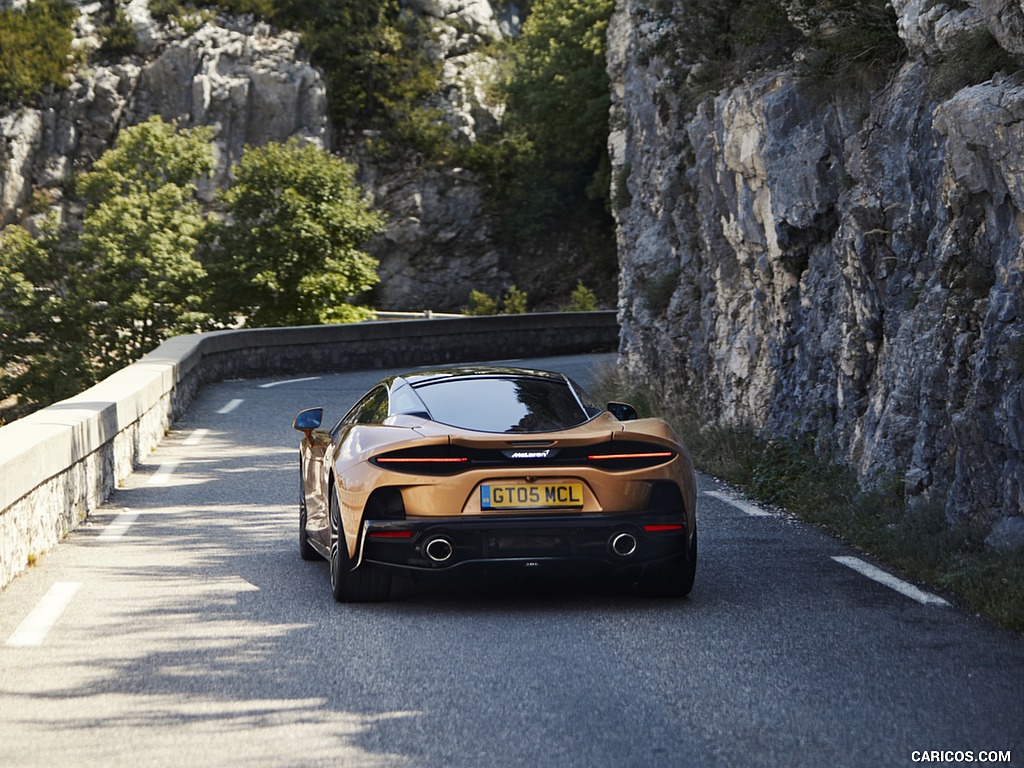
[288, 381]
[197, 436]
[164, 473]
[743, 506]
[877, 574]
[230, 406]
[33, 630]
[118, 526]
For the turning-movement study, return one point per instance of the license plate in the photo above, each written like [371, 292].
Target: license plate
[532, 496]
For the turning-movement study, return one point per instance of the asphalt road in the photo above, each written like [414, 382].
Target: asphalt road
[178, 627]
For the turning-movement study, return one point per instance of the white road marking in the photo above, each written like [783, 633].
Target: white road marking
[118, 526]
[288, 381]
[877, 574]
[743, 506]
[164, 473]
[33, 630]
[197, 436]
[230, 406]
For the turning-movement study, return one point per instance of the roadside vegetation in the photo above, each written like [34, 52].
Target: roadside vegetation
[915, 541]
[148, 262]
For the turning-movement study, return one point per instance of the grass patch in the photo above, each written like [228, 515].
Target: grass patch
[916, 541]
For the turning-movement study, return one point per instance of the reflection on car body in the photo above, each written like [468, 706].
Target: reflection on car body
[489, 469]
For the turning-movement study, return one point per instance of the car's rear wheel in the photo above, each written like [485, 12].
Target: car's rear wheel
[367, 583]
[306, 551]
[671, 579]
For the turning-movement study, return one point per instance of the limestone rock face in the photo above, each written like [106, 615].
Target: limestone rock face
[251, 85]
[247, 82]
[438, 242]
[848, 269]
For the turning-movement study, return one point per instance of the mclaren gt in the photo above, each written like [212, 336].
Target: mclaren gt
[475, 469]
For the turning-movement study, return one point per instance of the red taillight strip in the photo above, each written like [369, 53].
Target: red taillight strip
[390, 534]
[612, 456]
[660, 528]
[425, 460]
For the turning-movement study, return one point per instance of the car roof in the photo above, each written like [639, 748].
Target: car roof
[419, 378]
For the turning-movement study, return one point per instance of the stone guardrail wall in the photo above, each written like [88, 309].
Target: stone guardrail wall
[59, 464]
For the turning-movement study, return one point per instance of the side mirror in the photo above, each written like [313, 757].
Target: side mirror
[308, 420]
[623, 411]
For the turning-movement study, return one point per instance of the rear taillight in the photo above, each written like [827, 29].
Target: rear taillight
[623, 456]
[429, 460]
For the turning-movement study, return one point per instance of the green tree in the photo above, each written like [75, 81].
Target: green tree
[288, 252]
[45, 318]
[558, 91]
[141, 229]
[551, 156]
[374, 59]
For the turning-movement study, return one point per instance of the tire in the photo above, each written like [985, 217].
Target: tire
[365, 584]
[673, 579]
[306, 551]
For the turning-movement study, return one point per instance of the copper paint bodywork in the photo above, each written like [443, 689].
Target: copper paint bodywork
[344, 461]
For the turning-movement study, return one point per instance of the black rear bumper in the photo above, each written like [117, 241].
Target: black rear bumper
[616, 543]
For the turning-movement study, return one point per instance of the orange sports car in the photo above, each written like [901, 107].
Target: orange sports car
[470, 469]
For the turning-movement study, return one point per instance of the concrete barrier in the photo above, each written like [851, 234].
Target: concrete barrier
[60, 463]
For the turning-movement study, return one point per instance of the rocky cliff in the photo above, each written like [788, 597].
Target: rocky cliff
[439, 244]
[233, 74]
[254, 85]
[844, 267]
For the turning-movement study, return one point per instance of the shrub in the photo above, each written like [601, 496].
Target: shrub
[851, 42]
[582, 299]
[974, 58]
[119, 37]
[481, 304]
[513, 303]
[659, 291]
[35, 48]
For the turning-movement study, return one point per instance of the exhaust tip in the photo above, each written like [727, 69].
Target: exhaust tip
[623, 544]
[439, 549]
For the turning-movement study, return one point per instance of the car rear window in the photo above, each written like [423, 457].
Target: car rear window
[501, 404]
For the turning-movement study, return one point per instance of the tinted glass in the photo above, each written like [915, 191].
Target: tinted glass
[495, 404]
[404, 400]
[372, 409]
